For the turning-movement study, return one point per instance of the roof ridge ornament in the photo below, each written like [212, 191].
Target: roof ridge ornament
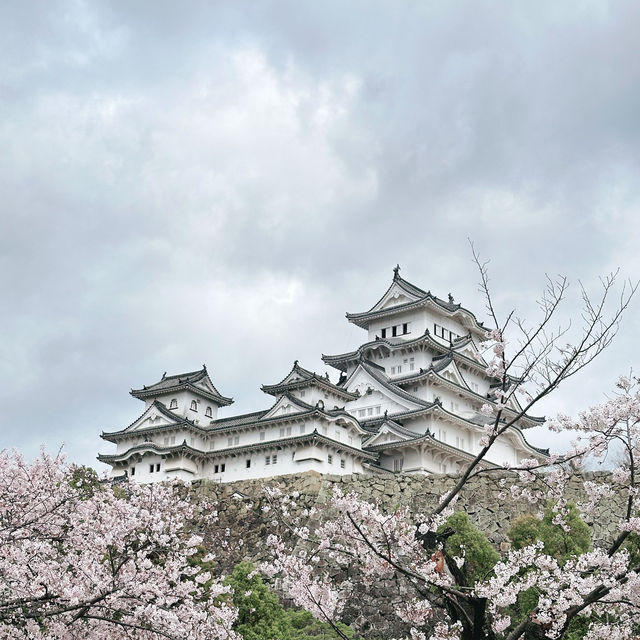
[396, 272]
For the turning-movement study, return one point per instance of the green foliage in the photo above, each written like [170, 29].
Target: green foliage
[557, 542]
[480, 556]
[632, 545]
[84, 480]
[261, 615]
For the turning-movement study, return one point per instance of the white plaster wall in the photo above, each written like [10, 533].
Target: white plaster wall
[184, 399]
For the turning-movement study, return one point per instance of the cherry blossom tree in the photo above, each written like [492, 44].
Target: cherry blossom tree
[84, 560]
[593, 594]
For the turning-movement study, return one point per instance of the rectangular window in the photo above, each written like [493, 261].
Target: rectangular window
[350, 440]
[274, 459]
[397, 464]
[384, 333]
[393, 371]
[394, 331]
[263, 435]
[288, 431]
[343, 463]
[267, 460]
[230, 441]
[222, 467]
[377, 410]
[324, 431]
[370, 411]
[216, 468]
[399, 369]
[166, 439]
[337, 434]
[282, 432]
[302, 392]
[173, 440]
[158, 467]
[236, 440]
[151, 468]
[405, 328]
[248, 464]
[411, 364]
[330, 459]
[303, 428]
[361, 413]
[133, 471]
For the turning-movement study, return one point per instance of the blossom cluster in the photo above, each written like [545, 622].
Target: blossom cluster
[82, 560]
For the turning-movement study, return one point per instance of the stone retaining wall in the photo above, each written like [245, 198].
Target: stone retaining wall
[241, 510]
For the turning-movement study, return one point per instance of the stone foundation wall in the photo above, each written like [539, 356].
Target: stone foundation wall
[241, 510]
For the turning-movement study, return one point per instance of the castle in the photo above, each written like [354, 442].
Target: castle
[407, 400]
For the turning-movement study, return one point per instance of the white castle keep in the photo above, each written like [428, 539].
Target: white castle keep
[407, 400]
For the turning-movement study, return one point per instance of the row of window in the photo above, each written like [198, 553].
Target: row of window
[369, 411]
[208, 412]
[343, 462]
[441, 332]
[220, 468]
[409, 365]
[396, 330]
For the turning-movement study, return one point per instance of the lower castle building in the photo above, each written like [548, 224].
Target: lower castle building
[407, 400]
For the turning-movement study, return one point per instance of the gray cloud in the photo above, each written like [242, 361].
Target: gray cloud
[221, 182]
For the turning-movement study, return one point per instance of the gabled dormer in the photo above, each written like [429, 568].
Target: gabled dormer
[405, 311]
[310, 387]
[191, 395]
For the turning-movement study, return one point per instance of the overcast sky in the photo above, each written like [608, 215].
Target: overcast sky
[188, 183]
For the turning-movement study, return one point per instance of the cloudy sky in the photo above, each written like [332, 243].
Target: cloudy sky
[201, 182]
